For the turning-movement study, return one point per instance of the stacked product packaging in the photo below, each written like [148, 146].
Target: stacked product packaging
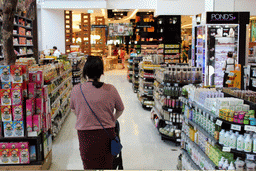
[214, 111]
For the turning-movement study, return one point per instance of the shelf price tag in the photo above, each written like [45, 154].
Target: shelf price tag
[150, 88]
[218, 122]
[226, 149]
[178, 140]
[250, 157]
[236, 127]
[168, 122]
[248, 128]
[168, 97]
[176, 85]
[169, 110]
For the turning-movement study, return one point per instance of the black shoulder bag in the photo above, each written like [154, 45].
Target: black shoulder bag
[116, 146]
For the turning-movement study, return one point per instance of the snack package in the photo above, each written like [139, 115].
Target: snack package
[39, 79]
[39, 93]
[8, 129]
[39, 106]
[29, 123]
[5, 73]
[17, 113]
[25, 73]
[6, 85]
[4, 156]
[18, 128]
[13, 145]
[5, 97]
[16, 74]
[24, 156]
[16, 96]
[22, 145]
[31, 90]
[45, 92]
[32, 152]
[4, 145]
[25, 89]
[30, 107]
[36, 123]
[17, 85]
[6, 112]
[14, 156]
[32, 76]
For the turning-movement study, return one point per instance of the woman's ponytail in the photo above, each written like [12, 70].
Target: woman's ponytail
[97, 84]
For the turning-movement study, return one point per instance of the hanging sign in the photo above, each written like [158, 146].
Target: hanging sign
[222, 18]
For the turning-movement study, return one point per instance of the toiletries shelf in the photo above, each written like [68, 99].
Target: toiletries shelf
[169, 109]
[202, 153]
[211, 139]
[198, 106]
[193, 164]
[242, 154]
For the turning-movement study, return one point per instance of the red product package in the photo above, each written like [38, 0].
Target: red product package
[6, 112]
[4, 145]
[17, 113]
[13, 145]
[39, 79]
[25, 89]
[14, 156]
[39, 106]
[31, 90]
[25, 72]
[16, 74]
[16, 96]
[22, 145]
[17, 85]
[5, 156]
[5, 95]
[24, 156]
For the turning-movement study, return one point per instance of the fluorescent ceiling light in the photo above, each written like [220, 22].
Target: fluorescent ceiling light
[132, 15]
[103, 12]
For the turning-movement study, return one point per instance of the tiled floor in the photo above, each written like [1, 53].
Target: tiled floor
[142, 145]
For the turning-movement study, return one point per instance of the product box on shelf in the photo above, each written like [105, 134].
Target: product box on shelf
[5, 156]
[39, 106]
[18, 127]
[32, 153]
[31, 90]
[14, 156]
[17, 85]
[5, 96]
[17, 113]
[24, 156]
[8, 129]
[37, 123]
[6, 85]
[16, 96]
[6, 112]
[4, 145]
[16, 74]
[5, 73]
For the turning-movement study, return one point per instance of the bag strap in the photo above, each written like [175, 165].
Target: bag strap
[93, 112]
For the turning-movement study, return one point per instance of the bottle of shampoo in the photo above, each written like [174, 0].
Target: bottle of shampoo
[231, 167]
[232, 141]
[221, 162]
[240, 143]
[226, 139]
[248, 143]
[225, 165]
[222, 136]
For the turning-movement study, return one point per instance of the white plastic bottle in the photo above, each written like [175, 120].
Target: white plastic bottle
[231, 167]
[248, 143]
[225, 165]
[237, 134]
[222, 136]
[221, 162]
[232, 141]
[254, 143]
[226, 139]
[240, 143]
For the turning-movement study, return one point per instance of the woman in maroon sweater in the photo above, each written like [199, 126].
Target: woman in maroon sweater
[104, 99]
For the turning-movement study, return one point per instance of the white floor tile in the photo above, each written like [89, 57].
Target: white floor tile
[142, 144]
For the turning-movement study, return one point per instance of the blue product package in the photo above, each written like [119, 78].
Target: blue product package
[5, 73]
[6, 85]
[32, 152]
[8, 129]
[18, 128]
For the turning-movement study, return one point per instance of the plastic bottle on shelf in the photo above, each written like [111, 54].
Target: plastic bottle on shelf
[240, 143]
[254, 143]
[239, 165]
[237, 134]
[225, 165]
[232, 141]
[226, 139]
[221, 162]
[248, 143]
[222, 136]
[250, 166]
[231, 167]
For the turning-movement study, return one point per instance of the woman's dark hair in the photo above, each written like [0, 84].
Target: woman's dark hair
[230, 54]
[93, 69]
[54, 47]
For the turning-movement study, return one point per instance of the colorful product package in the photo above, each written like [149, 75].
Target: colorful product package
[5, 97]
[25, 72]
[30, 107]
[4, 156]
[39, 79]
[32, 76]
[13, 145]
[16, 74]
[17, 113]
[14, 156]
[16, 96]
[36, 123]
[39, 106]
[8, 129]
[24, 156]
[5, 73]
[6, 112]
[29, 123]
[32, 152]
[17, 85]
[18, 128]
[39, 93]
[23, 145]
[45, 92]
[31, 90]
[6, 85]
[25, 89]
[4, 145]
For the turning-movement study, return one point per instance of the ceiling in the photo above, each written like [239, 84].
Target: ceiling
[186, 21]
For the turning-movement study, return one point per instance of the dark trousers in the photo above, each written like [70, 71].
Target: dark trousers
[94, 148]
[225, 80]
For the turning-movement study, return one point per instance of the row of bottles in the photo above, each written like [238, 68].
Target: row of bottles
[237, 141]
[238, 165]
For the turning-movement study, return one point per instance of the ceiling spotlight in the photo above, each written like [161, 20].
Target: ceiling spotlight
[121, 14]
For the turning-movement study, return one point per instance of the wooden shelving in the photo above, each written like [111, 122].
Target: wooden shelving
[68, 30]
[85, 33]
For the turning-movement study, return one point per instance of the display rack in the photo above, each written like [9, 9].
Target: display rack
[135, 79]
[130, 67]
[171, 52]
[77, 69]
[68, 30]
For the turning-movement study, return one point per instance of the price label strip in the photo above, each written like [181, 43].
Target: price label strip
[219, 122]
[236, 127]
[226, 149]
[250, 157]
[169, 110]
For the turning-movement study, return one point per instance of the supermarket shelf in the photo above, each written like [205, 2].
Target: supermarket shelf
[23, 26]
[239, 153]
[64, 117]
[199, 150]
[169, 109]
[61, 75]
[61, 85]
[17, 35]
[23, 45]
[211, 139]
[62, 105]
[64, 92]
[194, 165]
[157, 113]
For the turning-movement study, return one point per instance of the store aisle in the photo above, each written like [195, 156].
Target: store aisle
[143, 147]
